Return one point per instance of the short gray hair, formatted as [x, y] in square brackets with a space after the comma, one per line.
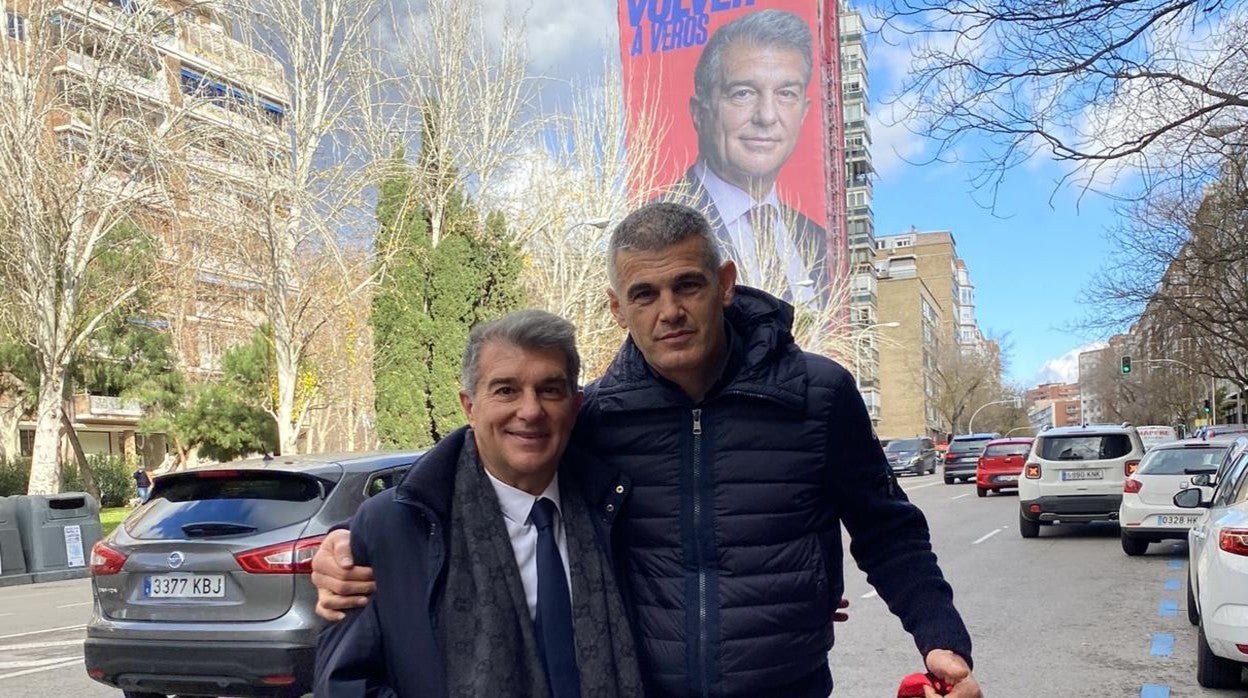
[527, 329]
[773, 28]
[658, 226]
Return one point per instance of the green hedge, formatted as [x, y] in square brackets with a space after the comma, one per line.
[112, 476]
[14, 476]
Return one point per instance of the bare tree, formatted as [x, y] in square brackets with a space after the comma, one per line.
[86, 183]
[302, 207]
[1178, 265]
[1098, 84]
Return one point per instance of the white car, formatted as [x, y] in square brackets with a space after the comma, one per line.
[1075, 475]
[1148, 513]
[1217, 586]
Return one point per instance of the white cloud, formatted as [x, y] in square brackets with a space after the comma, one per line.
[1065, 368]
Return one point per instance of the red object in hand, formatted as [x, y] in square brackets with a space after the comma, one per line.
[912, 686]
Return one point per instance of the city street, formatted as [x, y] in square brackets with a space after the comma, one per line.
[1067, 614]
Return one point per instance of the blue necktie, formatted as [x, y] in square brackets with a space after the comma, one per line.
[554, 607]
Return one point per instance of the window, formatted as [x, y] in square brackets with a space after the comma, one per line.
[903, 242]
[380, 482]
[15, 26]
[1095, 447]
[1182, 461]
[200, 504]
[1223, 495]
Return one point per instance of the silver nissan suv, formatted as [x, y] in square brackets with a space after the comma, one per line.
[204, 589]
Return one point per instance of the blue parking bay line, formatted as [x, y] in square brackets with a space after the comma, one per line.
[1176, 564]
[1163, 645]
[1152, 690]
[1173, 585]
[1168, 609]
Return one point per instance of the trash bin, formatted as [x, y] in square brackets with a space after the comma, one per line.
[12, 560]
[57, 534]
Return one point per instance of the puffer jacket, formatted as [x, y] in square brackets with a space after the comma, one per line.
[730, 543]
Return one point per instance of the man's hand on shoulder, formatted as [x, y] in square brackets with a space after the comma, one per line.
[341, 585]
[953, 670]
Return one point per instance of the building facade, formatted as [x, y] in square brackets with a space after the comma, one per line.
[926, 289]
[175, 68]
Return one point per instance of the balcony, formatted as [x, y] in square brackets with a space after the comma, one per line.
[231, 58]
[147, 85]
[106, 407]
[858, 212]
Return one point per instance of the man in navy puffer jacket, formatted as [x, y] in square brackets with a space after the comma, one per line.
[746, 455]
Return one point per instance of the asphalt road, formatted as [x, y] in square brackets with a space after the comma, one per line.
[1066, 615]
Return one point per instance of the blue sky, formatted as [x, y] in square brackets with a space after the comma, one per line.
[1030, 259]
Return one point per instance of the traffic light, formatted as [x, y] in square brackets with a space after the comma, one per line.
[1126, 365]
[1207, 408]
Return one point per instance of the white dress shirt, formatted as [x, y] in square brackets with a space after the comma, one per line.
[735, 208]
[516, 505]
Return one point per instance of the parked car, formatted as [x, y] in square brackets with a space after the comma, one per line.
[1148, 514]
[204, 589]
[1075, 475]
[1153, 434]
[963, 456]
[1212, 430]
[917, 455]
[1001, 464]
[1217, 585]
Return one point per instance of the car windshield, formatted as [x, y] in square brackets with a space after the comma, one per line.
[1084, 446]
[1182, 461]
[1007, 450]
[208, 503]
[968, 445]
[903, 445]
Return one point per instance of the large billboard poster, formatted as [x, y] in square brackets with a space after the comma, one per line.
[729, 95]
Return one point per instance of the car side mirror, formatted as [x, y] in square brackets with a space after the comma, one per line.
[1189, 498]
[1205, 480]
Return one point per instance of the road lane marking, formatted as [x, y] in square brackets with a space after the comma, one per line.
[1173, 585]
[41, 645]
[46, 630]
[1163, 645]
[870, 594]
[74, 605]
[1176, 564]
[1152, 690]
[14, 675]
[919, 487]
[1168, 609]
[32, 663]
[960, 496]
[986, 536]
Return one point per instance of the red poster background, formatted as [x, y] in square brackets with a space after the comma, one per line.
[663, 82]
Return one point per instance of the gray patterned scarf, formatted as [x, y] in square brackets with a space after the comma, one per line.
[489, 647]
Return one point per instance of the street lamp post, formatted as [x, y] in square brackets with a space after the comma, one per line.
[970, 426]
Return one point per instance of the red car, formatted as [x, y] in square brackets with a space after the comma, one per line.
[1000, 465]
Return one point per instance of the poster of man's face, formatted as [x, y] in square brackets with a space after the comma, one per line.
[741, 120]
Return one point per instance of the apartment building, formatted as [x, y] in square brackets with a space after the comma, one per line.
[859, 219]
[1050, 392]
[927, 289]
[174, 67]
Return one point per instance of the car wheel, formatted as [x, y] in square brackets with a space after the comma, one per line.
[983, 492]
[1028, 528]
[141, 694]
[1193, 613]
[1133, 546]
[1213, 671]
[948, 480]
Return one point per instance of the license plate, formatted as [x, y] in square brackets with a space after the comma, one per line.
[1176, 520]
[1083, 475]
[184, 586]
[1007, 478]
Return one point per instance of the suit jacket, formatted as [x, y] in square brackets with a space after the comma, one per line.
[803, 232]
